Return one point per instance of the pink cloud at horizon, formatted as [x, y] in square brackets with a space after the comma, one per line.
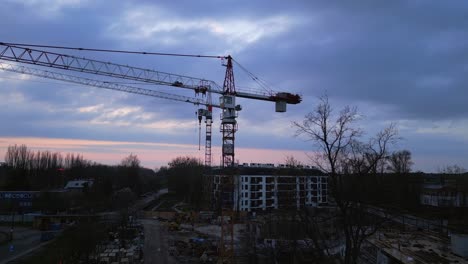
[151, 154]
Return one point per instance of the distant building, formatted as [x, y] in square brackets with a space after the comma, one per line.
[443, 191]
[17, 199]
[442, 196]
[78, 185]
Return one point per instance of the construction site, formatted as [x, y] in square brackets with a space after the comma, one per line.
[260, 224]
[236, 192]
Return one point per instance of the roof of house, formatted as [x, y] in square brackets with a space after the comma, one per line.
[78, 184]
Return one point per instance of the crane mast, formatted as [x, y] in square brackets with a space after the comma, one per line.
[228, 130]
[208, 114]
[228, 116]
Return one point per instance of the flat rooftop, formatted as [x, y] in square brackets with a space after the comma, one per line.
[415, 247]
[266, 171]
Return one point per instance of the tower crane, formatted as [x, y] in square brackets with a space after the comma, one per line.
[25, 54]
[21, 53]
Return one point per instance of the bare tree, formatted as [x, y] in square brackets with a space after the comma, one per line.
[331, 134]
[452, 169]
[400, 162]
[292, 162]
[18, 157]
[130, 168]
[40, 169]
[131, 161]
[347, 160]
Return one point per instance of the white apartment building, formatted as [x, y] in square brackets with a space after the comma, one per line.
[264, 192]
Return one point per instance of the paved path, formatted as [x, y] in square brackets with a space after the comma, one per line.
[142, 203]
[156, 247]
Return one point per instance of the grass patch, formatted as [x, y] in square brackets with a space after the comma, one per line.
[166, 202]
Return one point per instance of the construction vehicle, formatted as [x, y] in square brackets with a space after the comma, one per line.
[173, 226]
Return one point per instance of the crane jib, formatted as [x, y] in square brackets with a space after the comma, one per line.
[68, 62]
[283, 97]
[73, 63]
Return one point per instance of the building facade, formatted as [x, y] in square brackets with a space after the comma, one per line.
[266, 192]
[444, 190]
[443, 196]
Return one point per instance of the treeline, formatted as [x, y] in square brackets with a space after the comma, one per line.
[20, 157]
[30, 170]
[46, 171]
[185, 179]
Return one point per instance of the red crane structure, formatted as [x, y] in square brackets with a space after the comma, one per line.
[30, 54]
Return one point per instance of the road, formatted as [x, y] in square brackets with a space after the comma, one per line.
[156, 246]
[24, 240]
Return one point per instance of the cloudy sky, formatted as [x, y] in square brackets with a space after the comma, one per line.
[397, 61]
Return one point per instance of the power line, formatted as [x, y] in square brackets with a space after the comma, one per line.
[113, 51]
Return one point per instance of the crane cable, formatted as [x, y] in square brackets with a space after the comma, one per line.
[113, 51]
[262, 83]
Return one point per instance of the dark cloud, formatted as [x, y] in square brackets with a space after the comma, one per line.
[403, 54]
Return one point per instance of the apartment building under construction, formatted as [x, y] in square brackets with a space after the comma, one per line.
[266, 188]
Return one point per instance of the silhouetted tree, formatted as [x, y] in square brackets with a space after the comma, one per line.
[452, 169]
[123, 198]
[348, 162]
[400, 162]
[42, 169]
[292, 162]
[17, 159]
[185, 178]
[130, 167]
